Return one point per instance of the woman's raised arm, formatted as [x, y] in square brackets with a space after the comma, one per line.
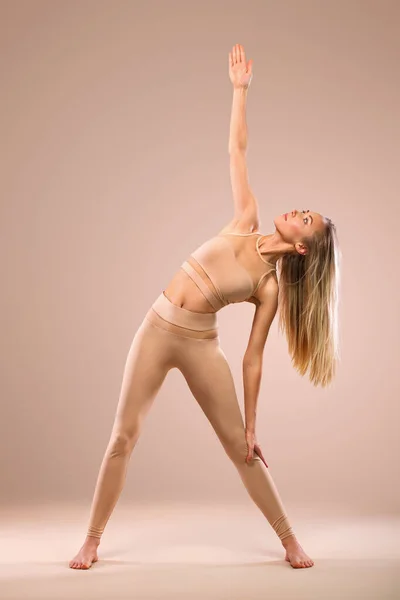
[240, 74]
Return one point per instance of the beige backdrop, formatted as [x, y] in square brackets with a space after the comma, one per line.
[114, 166]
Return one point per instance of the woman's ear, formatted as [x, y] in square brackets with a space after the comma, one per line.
[301, 248]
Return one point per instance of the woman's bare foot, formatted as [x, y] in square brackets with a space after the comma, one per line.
[86, 555]
[295, 553]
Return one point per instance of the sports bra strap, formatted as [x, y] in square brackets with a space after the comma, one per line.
[257, 243]
[235, 233]
[261, 279]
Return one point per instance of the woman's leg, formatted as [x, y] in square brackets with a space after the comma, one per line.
[145, 370]
[146, 367]
[210, 380]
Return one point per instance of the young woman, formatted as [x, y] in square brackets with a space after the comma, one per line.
[180, 330]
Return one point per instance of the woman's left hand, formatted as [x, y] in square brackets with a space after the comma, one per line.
[240, 71]
[253, 447]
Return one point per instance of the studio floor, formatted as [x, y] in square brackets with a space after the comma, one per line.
[197, 552]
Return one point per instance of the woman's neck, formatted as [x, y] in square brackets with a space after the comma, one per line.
[273, 247]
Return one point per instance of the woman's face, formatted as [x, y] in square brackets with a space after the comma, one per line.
[297, 224]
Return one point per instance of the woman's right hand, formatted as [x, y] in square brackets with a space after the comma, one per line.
[240, 72]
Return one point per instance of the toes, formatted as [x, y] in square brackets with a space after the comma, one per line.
[78, 564]
[301, 563]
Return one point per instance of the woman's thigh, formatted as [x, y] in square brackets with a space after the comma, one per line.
[210, 380]
[146, 367]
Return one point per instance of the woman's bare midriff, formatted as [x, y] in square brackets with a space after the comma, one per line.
[183, 292]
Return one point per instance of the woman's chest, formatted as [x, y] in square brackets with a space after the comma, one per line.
[232, 264]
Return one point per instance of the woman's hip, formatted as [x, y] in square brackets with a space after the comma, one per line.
[180, 321]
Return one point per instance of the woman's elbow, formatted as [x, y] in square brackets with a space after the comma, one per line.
[253, 359]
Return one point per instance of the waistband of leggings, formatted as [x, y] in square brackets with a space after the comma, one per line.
[155, 319]
[181, 317]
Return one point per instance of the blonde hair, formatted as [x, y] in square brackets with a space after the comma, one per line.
[308, 304]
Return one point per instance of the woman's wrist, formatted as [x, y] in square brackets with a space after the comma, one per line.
[240, 88]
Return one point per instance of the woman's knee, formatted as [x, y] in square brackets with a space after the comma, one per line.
[121, 444]
[236, 448]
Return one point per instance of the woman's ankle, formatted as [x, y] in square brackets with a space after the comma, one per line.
[91, 539]
[288, 540]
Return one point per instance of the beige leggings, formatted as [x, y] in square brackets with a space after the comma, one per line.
[170, 337]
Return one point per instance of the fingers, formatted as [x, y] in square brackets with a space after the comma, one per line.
[249, 453]
[259, 453]
[238, 54]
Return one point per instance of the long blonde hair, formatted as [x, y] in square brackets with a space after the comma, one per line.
[308, 305]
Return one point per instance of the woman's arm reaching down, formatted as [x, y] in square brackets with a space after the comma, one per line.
[266, 309]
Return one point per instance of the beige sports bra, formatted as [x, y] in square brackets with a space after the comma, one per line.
[232, 277]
